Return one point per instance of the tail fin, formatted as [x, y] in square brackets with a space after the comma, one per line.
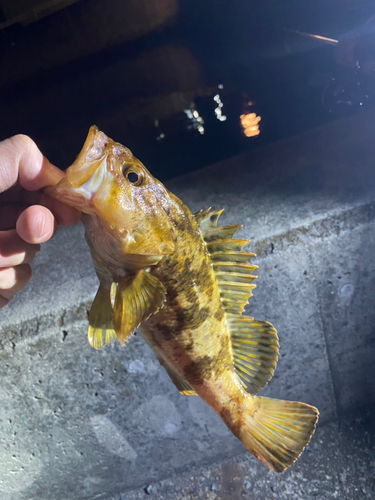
[275, 431]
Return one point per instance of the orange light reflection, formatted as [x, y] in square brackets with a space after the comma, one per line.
[250, 124]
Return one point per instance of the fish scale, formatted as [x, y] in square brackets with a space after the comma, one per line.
[183, 282]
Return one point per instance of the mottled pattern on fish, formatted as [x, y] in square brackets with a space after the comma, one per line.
[184, 283]
[190, 329]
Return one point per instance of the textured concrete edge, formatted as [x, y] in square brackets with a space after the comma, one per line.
[25, 330]
[321, 228]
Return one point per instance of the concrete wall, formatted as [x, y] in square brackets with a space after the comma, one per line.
[78, 423]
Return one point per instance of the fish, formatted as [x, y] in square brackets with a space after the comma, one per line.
[183, 283]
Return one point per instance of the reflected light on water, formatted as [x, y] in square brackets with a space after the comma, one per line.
[196, 122]
[218, 109]
[250, 124]
[161, 134]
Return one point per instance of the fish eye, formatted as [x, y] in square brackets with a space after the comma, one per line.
[133, 177]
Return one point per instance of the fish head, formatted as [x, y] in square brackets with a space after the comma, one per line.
[117, 192]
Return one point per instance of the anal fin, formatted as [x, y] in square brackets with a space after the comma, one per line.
[255, 350]
[181, 384]
[101, 330]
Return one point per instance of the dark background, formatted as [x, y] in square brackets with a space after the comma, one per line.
[136, 68]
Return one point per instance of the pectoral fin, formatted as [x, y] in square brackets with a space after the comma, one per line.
[101, 331]
[134, 301]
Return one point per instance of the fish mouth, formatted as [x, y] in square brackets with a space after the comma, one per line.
[84, 177]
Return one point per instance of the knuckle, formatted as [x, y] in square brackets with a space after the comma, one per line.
[22, 142]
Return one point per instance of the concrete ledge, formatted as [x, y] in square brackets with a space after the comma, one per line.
[82, 424]
[335, 465]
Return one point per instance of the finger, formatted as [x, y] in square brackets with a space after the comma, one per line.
[21, 160]
[9, 215]
[12, 279]
[36, 224]
[64, 214]
[3, 302]
[11, 195]
[14, 250]
[17, 194]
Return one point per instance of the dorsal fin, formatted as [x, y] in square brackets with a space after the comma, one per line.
[233, 274]
[255, 349]
[254, 343]
[206, 219]
[220, 233]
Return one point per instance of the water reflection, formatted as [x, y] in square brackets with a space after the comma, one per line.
[195, 121]
[218, 109]
[250, 124]
[184, 84]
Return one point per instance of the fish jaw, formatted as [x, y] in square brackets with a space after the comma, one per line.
[80, 197]
[85, 176]
[94, 150]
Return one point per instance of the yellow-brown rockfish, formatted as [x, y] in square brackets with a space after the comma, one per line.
[183, 283]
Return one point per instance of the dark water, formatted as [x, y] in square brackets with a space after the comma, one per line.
[175, 96]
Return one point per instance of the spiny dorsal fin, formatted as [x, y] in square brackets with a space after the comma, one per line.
[135, 300]
[227, 245]
[255, 348]
[206, 219]
[219, 233]
[235, 285]
[233, 274]
[207, 222]
[235, 257]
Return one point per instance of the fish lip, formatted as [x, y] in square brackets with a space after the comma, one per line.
[92, 184]
[80, 197]
[95, 149]
[85, 176]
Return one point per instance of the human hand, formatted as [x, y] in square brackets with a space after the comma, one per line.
[27, 216]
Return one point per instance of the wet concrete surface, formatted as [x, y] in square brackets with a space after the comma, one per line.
[338, 463]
